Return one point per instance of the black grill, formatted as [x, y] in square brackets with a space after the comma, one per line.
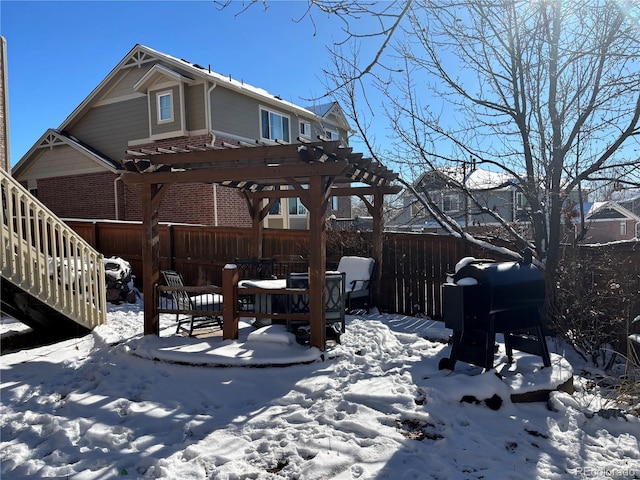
[487, 297]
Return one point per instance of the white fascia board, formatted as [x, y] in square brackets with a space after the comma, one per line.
[159, 71]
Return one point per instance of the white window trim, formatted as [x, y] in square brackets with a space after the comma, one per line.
[307, 129]
[160, 95]
[298, 203]
[333, 131]
[261, 109]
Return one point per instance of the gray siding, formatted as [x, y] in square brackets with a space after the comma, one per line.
[125, 82]
[60, 161]
[109, 127]
[235, 113]
[195, 107]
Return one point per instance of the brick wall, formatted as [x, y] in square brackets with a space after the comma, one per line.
[183, 203]
[232, 208]
[79, 196]
[609, 231]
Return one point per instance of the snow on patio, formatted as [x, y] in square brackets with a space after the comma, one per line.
[118, 404]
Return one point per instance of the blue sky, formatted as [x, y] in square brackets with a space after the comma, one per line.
[58, 52]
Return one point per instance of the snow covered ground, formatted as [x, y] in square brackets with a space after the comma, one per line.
[115, 404]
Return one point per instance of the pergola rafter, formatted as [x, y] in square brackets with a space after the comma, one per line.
[315, 170]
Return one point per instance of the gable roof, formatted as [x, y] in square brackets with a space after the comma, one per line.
[52, 138]
[141, 54]
[610, 210]
[326, 110]
[476, 179]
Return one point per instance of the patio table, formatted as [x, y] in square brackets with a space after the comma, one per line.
[266, 302]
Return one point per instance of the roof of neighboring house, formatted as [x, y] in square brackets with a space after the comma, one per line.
[323, 109]
[141, 53]
[53, 137]
[626, 195]
[610, 210]
[476, 179]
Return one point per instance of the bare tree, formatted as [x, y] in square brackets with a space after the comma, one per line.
[547, 92]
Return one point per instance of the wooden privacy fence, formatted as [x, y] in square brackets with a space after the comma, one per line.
[414, 264]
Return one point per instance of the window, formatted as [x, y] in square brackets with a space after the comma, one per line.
[623, 228]
[276, 207]
[334, 202]
[305, 129]
[331, 134]
[165, 107]
[274, 126]
[296, 207]
[521, 201]
[451, 203]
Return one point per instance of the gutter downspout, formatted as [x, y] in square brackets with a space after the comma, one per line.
[213, 139]
[115, 196]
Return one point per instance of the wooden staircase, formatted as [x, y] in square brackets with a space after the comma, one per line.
[51, 278]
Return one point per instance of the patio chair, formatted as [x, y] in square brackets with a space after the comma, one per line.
[334, 307]
[255, 268]
[195, 303]
[359, 273]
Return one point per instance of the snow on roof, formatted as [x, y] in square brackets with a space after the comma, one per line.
[480, 179]
[231, 82]
[477, 179]
[626, 195]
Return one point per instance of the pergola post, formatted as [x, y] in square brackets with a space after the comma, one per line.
[376, 212]
[317, 261]
[151, 197]
[230, 302]
[257, 229]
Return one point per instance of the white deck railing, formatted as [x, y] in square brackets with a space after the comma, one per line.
[47, 259]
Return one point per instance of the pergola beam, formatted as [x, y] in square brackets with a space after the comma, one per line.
[272, 174]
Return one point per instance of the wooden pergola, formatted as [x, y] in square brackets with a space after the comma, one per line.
[312, 172]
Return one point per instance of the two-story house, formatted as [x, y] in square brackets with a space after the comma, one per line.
[152, 100]
[492, 191]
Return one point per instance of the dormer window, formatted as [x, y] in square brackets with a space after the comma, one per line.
[331, 134]
[165, 107]
[274, 126]
[451, 203]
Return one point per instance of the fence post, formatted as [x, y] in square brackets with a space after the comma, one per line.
[230, 315]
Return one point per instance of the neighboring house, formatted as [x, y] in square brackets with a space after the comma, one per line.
[494, 191]
[609, 222]
[628, 198]
[152, 100]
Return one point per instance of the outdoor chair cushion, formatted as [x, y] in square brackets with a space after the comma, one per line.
[358, 271]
